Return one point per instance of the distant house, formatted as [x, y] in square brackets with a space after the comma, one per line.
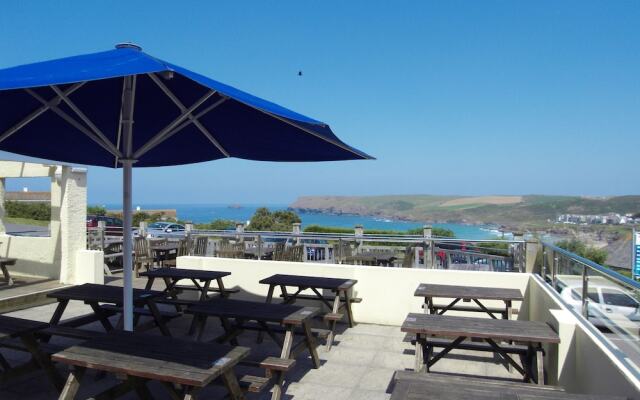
[28, 197]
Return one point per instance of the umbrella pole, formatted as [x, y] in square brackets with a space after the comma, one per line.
[128, 99]
[127, 245]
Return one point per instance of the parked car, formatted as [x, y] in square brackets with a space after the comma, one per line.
[165, 230]
[609, 306]
[113, 225]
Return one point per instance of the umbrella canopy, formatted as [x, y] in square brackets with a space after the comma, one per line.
[125, 108]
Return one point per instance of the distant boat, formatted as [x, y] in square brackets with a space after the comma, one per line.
[235, 206]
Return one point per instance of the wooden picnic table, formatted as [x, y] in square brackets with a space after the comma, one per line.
[141, 358]
[23, 331]
[379, 258]
[94, 294]
[446, 387]
[429, 328]
[163, 251]
[236, 317]
[466, 294]
[4, 261]
[266, 253]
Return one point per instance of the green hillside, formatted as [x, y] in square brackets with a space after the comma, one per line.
[521, 210]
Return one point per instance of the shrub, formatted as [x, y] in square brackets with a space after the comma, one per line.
[37, 211]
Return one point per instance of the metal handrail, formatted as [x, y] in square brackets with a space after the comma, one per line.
[597, 267]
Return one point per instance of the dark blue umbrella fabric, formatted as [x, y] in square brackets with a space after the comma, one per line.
[221, 121]
[124, 108]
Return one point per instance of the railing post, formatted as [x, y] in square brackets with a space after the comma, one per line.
[295, 230]
[554, 271]
[102, 226]
[428, 251]
[239, 231]
[585, 292]
[358, 232]
[339, 251]
[142, 228]
[544, 263]
[259, 247]
[518, 251]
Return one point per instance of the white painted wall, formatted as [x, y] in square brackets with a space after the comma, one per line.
[54, 256]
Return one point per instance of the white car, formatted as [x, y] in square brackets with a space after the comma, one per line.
[610, 306]
[165, 230]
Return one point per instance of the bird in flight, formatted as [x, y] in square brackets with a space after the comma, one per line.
[299, 73]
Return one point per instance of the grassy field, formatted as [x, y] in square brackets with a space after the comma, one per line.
[25, 221]
[531, 210]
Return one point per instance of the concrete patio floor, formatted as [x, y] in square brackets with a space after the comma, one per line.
[359, 366]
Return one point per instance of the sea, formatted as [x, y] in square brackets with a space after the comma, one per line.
[202, 213]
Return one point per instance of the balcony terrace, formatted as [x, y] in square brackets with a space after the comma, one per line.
[363, 360]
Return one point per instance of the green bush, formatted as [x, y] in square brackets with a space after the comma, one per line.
[279, 221]
[96, 210]
[217, 225]
[598, 256]
[436, 232]
[37, 211]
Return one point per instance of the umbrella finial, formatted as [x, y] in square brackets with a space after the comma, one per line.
[128, 45]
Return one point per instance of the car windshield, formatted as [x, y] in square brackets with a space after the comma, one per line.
[158, 225]
[615, 297]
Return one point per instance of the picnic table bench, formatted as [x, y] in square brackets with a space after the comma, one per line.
[340, 300]
[95, 296]
[19, 334]
[163, 251]
[410, 385]
[4, 262]
[274, 319]
[491, 331]
[137, 358]
[468, 294]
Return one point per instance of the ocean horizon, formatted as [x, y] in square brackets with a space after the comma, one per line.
[203, 213]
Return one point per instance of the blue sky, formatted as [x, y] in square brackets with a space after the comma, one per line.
[455, 97]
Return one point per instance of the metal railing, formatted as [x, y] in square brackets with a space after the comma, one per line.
[606, 299]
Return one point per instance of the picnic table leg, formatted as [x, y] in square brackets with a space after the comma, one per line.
[149, 284]
[286, 353]
[57, 314]
[540, 363]
[231, 383]
[202, 322]
[347, 299]
[332, 323]
[73, 384]
[311, 344]
[221, 288]
[43, 360]
[419, 363]
[140, 387]
[153, 307]
[7, 277]
[102, 317]
[269, 300]
[204, 291]
[509, 309]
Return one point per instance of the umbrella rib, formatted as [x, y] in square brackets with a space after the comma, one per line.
[54, 101]
[197, 116]
[84, 118]
[193, 120]
[72, 122]
[166, 132]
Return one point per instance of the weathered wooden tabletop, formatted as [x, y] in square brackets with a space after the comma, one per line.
[154, 357]
[467, 292]
[91, 292]
[183, 273]
[257, 311]
[445, 389]
[14, 327]
[164, 246]
[310, 282]
[482, 328]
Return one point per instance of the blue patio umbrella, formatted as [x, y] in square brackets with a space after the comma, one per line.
[124, 108]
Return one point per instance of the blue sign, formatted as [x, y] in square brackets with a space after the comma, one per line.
[636, 254]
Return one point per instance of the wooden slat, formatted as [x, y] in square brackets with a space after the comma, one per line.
[497, 329]
[184, 273]
[254, 384]
[14, 327]
[333, 316]
[66, 331]
[468, 292]
[462, 380]
[250, 310]
[310, 281]
[154, 357]
[454, 389]
[277, 364]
